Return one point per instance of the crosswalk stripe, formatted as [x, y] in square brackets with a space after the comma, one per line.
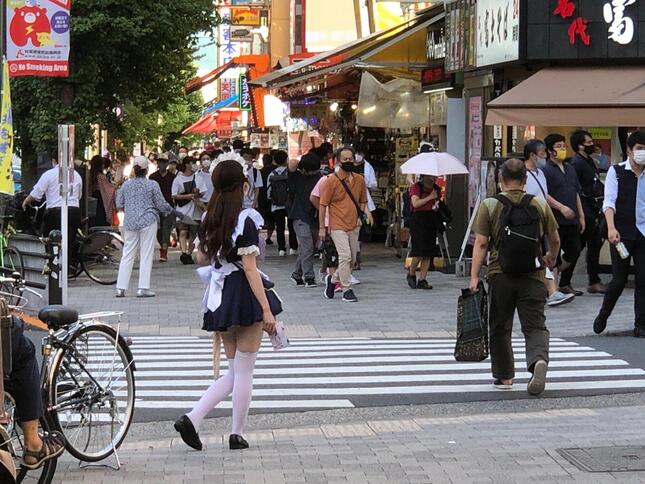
[198, 355]
[312, 373]
[346, 380]
[363, 359]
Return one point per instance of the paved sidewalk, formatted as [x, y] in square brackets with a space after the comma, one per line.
[387, 307]
[505, 447]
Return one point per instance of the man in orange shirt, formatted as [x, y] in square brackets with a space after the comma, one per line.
[344, 198]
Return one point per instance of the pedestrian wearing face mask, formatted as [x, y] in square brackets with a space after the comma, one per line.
[564, 190]
[365, 168]
[536, 185]
[591, 196]
[253, 175]
[344, 198]
[424, 197]
[204, 179]
[624, 209]
[183, 153]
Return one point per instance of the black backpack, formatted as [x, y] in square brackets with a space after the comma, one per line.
[280, 188]
[519, 241]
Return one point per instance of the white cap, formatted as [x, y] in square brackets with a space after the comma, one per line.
[141, 162]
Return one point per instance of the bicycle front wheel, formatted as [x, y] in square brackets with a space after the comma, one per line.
[91, 391]
[100, 255]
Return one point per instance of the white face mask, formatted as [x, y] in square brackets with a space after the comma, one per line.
[359, 158]
[639, 157]
[181, 156]
[206, 164]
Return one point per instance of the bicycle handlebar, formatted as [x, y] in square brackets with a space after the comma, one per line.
[21, 282]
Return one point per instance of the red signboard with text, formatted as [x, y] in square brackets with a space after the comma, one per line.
[38, 37]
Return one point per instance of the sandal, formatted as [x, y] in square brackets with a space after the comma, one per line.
[53, 446]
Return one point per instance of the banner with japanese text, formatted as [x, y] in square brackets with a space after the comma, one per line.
[6, 135]
[38, 37]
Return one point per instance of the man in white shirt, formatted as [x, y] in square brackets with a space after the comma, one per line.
[204, 177]
[254, 177]
[187, 191]
[49, 186]
[364, 168]
[534, 156]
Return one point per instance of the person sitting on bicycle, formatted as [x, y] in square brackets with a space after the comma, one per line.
[24, 385]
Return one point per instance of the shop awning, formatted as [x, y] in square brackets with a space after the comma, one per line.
[221, 104]
[199, 82]
[396, 51]
[574, 96]
[205, 125]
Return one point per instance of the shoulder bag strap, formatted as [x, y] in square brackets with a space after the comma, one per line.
[538, 182]
[361, 214]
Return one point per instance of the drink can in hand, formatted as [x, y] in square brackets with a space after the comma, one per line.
[622, 250]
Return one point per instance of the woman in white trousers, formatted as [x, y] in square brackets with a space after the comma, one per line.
[142, 201]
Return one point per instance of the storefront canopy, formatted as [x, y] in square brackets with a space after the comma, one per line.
[221, 104]
[199, 82]
[574, 96]
[393, 51]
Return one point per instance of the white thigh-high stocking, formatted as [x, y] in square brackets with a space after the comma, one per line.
[242, 389]
[218, 391]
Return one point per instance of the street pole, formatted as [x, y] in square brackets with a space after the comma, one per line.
[66, 178]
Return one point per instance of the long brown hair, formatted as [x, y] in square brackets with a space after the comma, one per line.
[223, 209]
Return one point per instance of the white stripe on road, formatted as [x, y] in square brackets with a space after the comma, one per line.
[174, 404]
[366, 359]
[410, 390]
[350, 380]
[329, 370]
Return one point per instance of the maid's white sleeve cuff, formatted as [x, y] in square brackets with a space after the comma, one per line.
[251, 250]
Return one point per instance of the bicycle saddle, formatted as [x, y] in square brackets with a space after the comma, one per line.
[57, 317]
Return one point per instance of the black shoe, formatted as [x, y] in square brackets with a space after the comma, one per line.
[502, 386]
[269, 242]
[639, 333]
[423, 284]
[189, 435]
[599, 324]
[310, 283]
[538, 380]
[412, 281]
[349, 296]
[236, 442]
[186, 259]
[329, 287]
[297, 281]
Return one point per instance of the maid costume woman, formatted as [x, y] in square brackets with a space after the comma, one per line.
[229, 300]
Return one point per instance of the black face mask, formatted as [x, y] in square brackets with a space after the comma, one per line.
[348, 166]
[590, 149]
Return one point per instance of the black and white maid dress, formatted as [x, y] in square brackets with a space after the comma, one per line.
[229, 300]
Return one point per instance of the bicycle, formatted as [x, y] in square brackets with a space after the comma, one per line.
[99, 255]
[87, 377]
[10, 257]
[11, 437]
[98, 252]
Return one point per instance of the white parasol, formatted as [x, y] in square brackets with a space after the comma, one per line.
[434, 164]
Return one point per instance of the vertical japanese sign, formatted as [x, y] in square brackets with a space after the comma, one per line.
[6, 135]
[38, 37]
[475, 132]
[244, 91]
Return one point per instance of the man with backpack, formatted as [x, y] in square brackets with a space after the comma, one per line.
[512, 225]
[278, 195]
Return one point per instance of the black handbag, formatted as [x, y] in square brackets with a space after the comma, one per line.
[188, 188]
[472, 326]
